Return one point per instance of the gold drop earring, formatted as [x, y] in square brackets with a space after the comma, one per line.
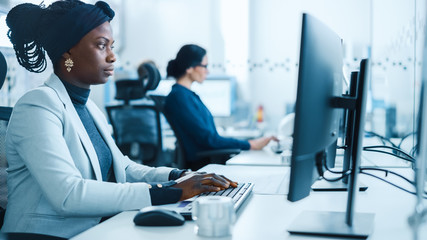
[69, 64]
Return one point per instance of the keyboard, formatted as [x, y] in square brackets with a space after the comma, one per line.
[238, 196]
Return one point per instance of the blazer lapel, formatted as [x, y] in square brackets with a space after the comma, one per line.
[55, 83]
[101, 124]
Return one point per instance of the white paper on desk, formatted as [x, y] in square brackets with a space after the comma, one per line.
[266, 179]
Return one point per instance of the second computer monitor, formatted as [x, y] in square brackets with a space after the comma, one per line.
[218, 93]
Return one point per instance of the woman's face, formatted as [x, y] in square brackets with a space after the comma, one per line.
[200, 71]
[93, 58]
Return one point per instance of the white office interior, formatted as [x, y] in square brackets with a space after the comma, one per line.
[255, 44]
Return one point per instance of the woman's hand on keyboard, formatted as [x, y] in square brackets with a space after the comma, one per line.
[196, 183]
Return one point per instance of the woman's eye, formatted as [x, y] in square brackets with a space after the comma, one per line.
[101, 46]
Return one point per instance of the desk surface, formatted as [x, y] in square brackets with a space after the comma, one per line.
[268, 216]
[267, 157]
[264, 157]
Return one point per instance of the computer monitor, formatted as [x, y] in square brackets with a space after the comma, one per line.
[317, 114]
[346, 132]
[420, 211]
[218, 93]
[316, 121]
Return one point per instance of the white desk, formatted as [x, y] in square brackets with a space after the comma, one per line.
[267, 157]
[264, 157]
[268, 216]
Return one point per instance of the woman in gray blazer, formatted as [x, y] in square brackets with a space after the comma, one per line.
[65, 171]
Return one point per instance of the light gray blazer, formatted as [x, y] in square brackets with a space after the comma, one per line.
[54, 179]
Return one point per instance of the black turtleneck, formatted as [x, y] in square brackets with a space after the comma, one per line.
[79, 97]
[161, 193]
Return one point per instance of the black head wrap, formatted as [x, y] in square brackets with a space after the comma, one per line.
[55, 35]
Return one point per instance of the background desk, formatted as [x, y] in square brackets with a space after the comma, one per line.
[266, 157]
[268, 216]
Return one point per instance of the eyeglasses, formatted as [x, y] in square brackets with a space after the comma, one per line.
[202, 65]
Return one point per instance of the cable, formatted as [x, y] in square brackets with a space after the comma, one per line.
[346, 173]
[397, 186]
[392, 148]
[343, 173]
[392, 154]
[404, 137]
[413, 150]
[387, 172]
[334, 179]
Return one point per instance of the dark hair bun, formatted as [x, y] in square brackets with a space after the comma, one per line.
[23, 28]
[171, 68]
[24, 36]
[188, 56]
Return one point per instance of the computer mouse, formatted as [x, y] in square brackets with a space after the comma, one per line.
[277, 148]
[157, 216]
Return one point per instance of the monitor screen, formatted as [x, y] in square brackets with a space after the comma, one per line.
[317, 123]
[217, 93]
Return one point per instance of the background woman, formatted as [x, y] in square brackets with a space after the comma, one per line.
[190, 116]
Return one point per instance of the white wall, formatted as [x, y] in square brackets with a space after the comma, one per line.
[255, 40]
[265, 63]
[275, 27]
[157, 29]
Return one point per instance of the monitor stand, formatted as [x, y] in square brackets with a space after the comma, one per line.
[338, 186]
[332, 224]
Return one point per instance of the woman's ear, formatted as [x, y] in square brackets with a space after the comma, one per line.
[66, 55]
[189, 70]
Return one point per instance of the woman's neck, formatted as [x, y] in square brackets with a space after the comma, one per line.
[185, 81]
[78, 95]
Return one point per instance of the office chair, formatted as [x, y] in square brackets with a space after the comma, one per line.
[5, 113]
[218, 156]
[137, 127]
[4, 118]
